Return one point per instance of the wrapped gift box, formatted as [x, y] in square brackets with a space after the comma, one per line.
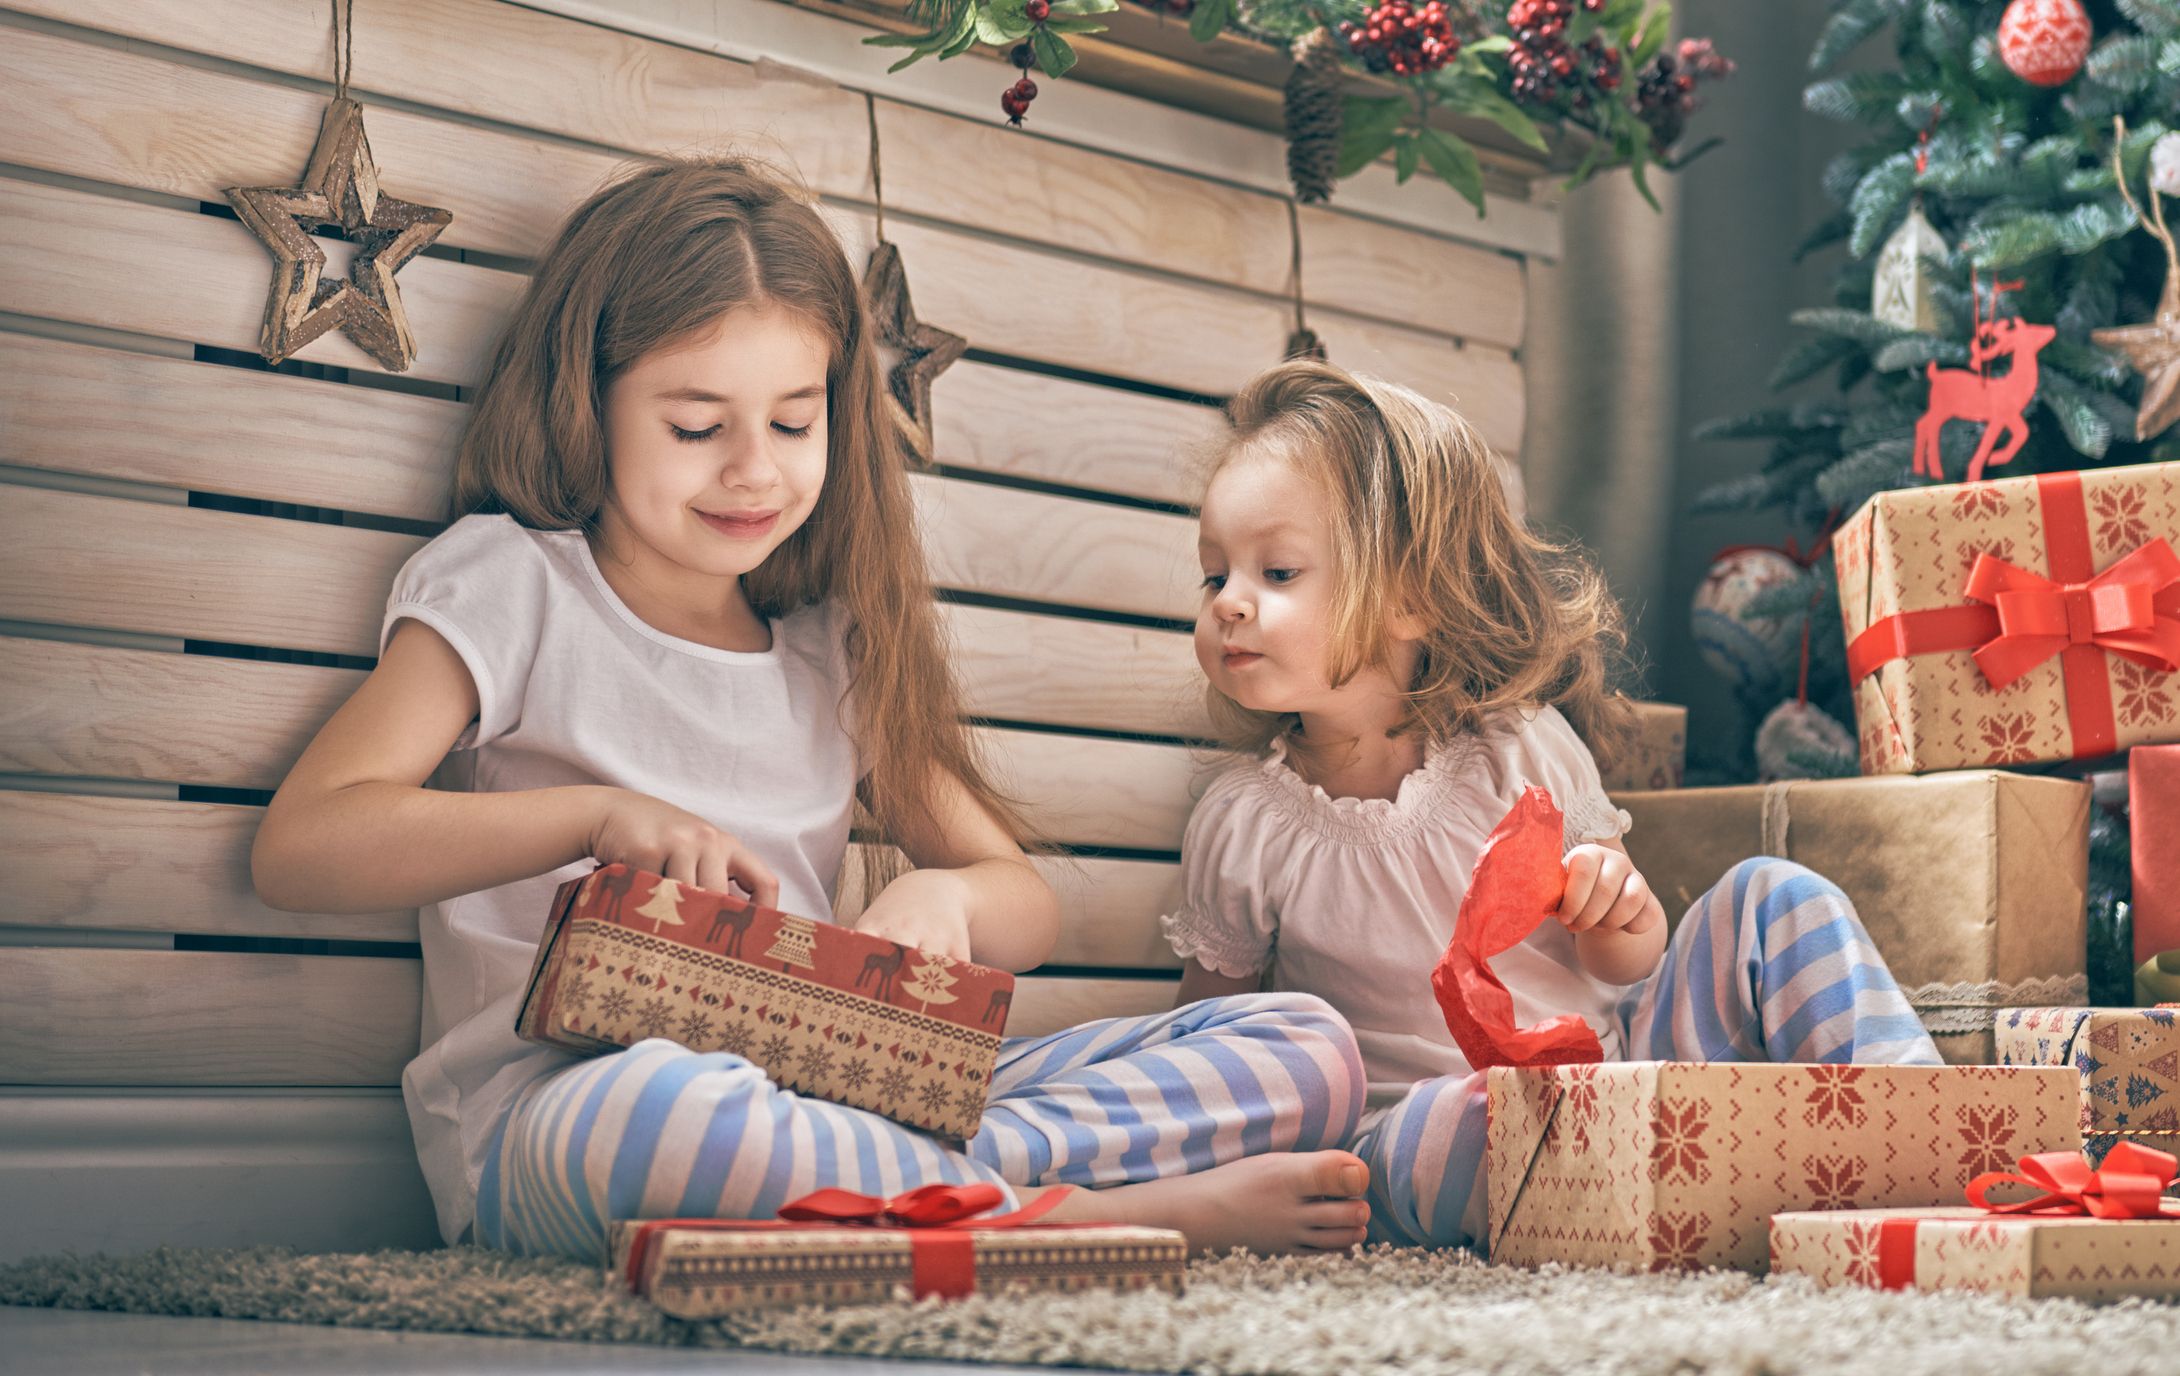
[702, 1269]
[2153, 820]
[821, 1009]
[2129, 1062]
[2007, 926]
[2032, 618]
[1665, 1165]
[1656, 756]
[1968, 1249]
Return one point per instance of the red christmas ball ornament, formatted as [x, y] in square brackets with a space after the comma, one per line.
[2044, 41]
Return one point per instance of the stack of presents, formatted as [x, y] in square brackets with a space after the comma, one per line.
[2005, 637]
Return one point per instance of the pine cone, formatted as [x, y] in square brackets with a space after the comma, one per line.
[1313, 115]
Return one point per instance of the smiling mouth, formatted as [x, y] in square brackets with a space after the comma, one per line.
[740, 527]
[1236, 658]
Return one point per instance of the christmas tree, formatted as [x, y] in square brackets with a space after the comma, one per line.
[794, 944]
[932, 982]
[664, 905]
[1981, 211]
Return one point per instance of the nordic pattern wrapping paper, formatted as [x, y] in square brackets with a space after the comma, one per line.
[1973, 884]
[821, 1009]
[1657, 755]
[2153, 820]
[1913, 551]
[692, 1273]
[2026, 1255]
[2128, 1060]
[1666, 1165]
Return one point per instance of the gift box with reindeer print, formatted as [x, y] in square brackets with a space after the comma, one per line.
[821, 1009]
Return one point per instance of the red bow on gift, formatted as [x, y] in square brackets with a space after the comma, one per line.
[2130, 1184]
[2131, 609]
[940, 1219]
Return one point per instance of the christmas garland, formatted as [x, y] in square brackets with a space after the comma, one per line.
[1599, 66]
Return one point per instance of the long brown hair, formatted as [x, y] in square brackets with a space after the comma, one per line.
[658, 256]
[1420, 521]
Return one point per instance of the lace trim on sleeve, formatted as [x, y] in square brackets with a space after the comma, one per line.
[1195, 937]
[1592, 817]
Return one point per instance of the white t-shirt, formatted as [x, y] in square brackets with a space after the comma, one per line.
[574, 688]
[1354, 899]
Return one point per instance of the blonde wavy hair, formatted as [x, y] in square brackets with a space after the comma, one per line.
[660, 255]
[1420, 521]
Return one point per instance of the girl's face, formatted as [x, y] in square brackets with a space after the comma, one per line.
[1263, 631]
[715, 445]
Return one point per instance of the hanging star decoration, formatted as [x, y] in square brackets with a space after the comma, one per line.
[924, 351]
[340, 190]
[2152, 348]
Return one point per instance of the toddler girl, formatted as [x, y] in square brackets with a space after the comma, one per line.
[1397, 657]
[682, 622]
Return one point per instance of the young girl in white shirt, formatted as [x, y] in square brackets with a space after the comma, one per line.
[683, 622]
[1395, 657]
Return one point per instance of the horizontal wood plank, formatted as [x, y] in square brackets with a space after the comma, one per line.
[79, 108]
[85, 1016]
[91, 710]
[145, 865]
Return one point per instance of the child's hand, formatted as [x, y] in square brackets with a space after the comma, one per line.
[1606, 893]
[923, 908]
[652, 834]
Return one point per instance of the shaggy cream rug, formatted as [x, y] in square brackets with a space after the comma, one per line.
[1381, 1310]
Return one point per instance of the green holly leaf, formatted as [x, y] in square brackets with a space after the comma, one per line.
[1366, 130]
[1404, 157]
[1651, 37]
[1002, 22]
[1496, 43]
[1084, 6]
[1455, 161]
[1479, 96]
[1209, 18]
[1053, 54]
[1070, 24]
[896, 40]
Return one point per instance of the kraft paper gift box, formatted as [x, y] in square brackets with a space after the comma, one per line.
[2128, 1060]
[2153, 821]
[1968, 1249]
[821, 1009]
[1657, 755]
[2023, 619]
[1664, 1165]
[863, 1250]
[1972, 884]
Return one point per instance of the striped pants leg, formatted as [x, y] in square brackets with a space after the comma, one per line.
[659, 1131]
[1770, 964]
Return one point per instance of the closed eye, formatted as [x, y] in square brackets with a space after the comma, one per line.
[699, 436]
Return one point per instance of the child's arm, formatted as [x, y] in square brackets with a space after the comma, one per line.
[1618, 923]
[352, 829]
[973, 896]
[1201, 982]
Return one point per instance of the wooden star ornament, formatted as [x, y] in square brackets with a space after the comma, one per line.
[924, 351]
[2154, 351]
[340, 190]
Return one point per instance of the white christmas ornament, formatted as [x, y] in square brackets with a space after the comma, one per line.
[1900, 294]
[1797, 739]
[1747, 651]
[2165, 164]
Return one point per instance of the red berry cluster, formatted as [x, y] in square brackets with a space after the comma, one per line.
[1545, 69]
[1016, 98]
[1665, 92]
[1403, 39]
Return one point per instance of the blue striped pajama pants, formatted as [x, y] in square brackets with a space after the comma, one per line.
[1770, 964]
[659, 1131]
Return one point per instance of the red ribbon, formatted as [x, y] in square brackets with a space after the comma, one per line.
[939, 1220]
[2017, 619]
[2130, 1185]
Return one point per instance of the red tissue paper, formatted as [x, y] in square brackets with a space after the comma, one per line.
[1518, 884]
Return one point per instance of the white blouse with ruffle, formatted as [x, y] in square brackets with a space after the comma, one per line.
[1354, 899]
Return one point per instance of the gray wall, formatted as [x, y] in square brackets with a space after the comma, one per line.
[1652, 323]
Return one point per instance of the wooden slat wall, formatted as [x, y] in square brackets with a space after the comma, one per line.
[137, 114]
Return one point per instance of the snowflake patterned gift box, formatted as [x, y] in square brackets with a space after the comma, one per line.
[1657, 755]
[837, 1247]
[1667, 1165]
[2027, 619]
[2128, 1060]
[819, 1008]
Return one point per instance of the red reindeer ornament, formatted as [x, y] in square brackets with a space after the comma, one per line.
[1972, 394]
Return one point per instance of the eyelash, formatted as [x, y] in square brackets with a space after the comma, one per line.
[1214, 581]
[699, 436]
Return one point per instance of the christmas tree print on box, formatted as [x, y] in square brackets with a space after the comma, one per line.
[2129, 1061]
[821, 1009]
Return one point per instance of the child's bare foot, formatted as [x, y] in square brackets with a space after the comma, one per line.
[1278, 1202]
